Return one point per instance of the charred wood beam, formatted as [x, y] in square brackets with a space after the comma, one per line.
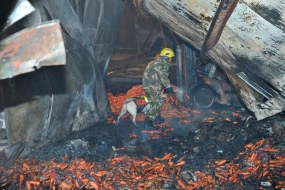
[139, 4]
[224, 11]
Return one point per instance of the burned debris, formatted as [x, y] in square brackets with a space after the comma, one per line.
[194, 149]
[223, 128]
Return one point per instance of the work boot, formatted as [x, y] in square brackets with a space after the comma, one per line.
[148, 125]
[159, 119]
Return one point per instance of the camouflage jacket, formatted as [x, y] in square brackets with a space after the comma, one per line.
[156, 74]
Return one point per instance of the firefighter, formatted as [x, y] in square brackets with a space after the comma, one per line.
[155, 78]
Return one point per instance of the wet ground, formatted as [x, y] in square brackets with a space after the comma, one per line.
[202, 137]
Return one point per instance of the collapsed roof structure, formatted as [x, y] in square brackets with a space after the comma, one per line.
[245, 38]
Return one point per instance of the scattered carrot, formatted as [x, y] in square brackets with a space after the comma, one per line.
[26, 166]
[181, 184]
[21, 180]
[270, 150]
[180, 163]
[37, 183]
[167, 157]
[249, 145]
[147, 173]
[28, 185]
[94, 185]
[220, 162]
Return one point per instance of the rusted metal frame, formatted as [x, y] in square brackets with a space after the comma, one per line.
[224, 11]
[146, 38]
[175, 39]
[153, 41]
[148, 34]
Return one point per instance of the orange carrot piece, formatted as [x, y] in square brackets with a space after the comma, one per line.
[94, 185]
[220, 162]
[28, 185]
[21, 180]
[167, 156]
[26, 166]
[180, 163]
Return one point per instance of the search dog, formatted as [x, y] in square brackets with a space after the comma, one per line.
[131, 107]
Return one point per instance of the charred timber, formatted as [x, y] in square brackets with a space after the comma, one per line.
[219, 21]
[250, 41]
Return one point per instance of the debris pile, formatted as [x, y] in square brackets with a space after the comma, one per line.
[260, 162]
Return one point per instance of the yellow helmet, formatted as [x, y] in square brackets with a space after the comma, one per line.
[167, 52]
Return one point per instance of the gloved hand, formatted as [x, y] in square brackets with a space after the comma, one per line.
[168, 90]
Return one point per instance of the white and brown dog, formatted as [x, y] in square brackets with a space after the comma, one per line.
[131, 107]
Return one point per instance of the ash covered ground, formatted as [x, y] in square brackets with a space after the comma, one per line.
[220, 133]
[215, 134]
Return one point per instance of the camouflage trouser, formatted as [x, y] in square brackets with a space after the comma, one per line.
[155, 101]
